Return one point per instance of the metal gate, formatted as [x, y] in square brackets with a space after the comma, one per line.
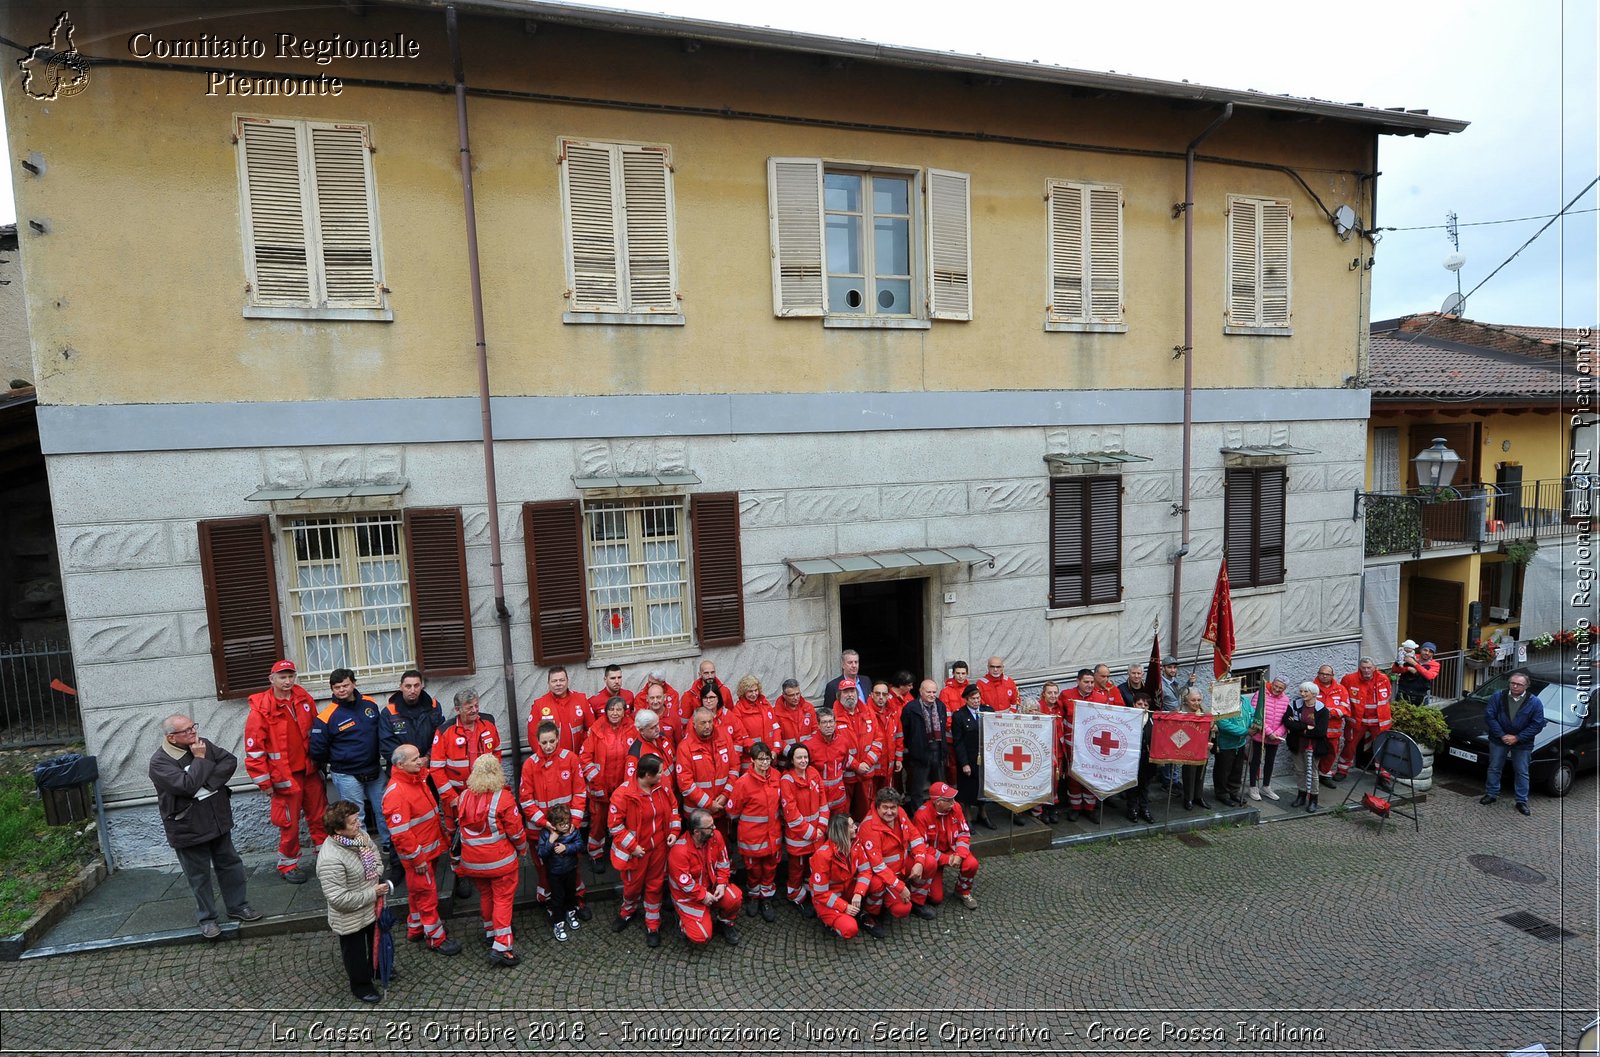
[38, 705]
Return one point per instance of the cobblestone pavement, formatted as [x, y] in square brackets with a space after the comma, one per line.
[1314, 937]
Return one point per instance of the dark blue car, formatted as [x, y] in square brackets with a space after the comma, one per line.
[1569, 744]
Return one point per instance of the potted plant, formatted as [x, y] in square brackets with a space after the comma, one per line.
[1520, 552]
[1480, 654]
[1438, 493]
[1425, 726]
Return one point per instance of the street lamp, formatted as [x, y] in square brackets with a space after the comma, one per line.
[1436, 465]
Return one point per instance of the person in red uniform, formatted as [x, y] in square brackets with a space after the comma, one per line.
[860, 778]
[605, 766]
[613, 688]
[1340, 726]
[889, 833]
[1079, 799]
[833, 751]
[902, 688]
[999, 691]
[277, 736]
[805, 821]
[949, 839]
[1050, 704]
[706, 767]
[886, 890]
[644, 823]
[953, 694]
[492, 844]
[553, 775]
[839, 880]
[753, 721]
[887, 712]
[795, 716]
[697, 873]
[758, 829]
[695, 696]
[457, 747]
[567, 710]
[415, 828]
[1108, 691]
[651, 740]
[1370, 694]
[659, 697]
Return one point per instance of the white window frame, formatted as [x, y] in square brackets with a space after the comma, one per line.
[317, 304]
[630, 229]
[1074, 201]
[355, 614]
[600, 590]
[1249, 300]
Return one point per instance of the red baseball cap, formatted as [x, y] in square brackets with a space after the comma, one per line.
[283, 666]
[942, 791]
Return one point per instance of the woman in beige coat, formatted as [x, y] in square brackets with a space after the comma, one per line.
[350, 870]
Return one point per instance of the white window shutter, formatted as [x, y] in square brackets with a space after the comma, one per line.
[1105, 254]
[1066, 253]
[1275, 219]
[794, 202]
[347, 230]
[276, 240]
[1244, 280]
[647, 218]
[949, 245]
[589, 203]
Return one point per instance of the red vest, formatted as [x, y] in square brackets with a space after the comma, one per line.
[836, 879]
[276, 736]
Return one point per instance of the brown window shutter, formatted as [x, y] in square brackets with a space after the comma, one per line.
[718, 570]
[1085, 540]
[1103, 539]
[441, 608]
[1067, 516]
[552, 534]
[1272, 490]
[241, 603]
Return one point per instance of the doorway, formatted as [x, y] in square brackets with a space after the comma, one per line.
[1434, 613]
[884, 621]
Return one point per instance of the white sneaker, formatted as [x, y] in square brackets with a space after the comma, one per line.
[1255, 793]
[560, 929]
[573, 924]
[1267, 792]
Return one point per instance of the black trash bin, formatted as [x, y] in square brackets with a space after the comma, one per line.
[66, 786]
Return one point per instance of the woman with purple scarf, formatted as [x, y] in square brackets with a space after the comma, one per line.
[350, 869]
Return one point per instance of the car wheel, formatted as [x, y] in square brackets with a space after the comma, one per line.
[1559, 781]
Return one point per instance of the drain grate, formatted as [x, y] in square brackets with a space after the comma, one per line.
[1536, 926]
[1507, 870]
[1192, 840]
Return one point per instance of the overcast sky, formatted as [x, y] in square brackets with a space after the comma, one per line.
[1524, 74]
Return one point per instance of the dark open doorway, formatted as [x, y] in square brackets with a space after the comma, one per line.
[883, 621]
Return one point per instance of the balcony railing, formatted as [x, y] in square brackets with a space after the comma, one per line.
[1416, 522]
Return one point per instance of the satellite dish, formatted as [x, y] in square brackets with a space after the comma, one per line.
[1344, 221]
[1452, 304]
[1455, 262]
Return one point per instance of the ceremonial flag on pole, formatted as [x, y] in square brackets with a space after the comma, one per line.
[1219, 625]
[1105, 746]
[1018, 759]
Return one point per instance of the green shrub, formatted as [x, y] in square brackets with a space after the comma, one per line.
[1423, 724]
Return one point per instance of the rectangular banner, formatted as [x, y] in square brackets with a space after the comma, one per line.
[1225, 697]
[1105, 746]
[1018, 759]
[1179, 737]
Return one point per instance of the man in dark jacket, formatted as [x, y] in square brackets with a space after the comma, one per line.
[344, 739]
[966, 737]
[191, 779]
[1513, 716]
[411, 717]
[922, 722]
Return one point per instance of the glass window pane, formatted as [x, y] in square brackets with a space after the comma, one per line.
[386, 648]
[841, 192]
[846, 295]
[381, 587]
[892, 246]
[891, 195]
[844, 245]
[893, 297]
[666, 620]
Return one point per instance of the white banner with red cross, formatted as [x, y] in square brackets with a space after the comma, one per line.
[1018, 759]
[1105, 746]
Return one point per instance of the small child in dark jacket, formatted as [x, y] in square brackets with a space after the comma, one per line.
[559, 851]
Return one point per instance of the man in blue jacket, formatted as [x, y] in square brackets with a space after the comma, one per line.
[344, 739]
[1513, 716]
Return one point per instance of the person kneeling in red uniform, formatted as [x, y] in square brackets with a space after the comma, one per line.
[888, 835]
[839, 879]
[697, 871]
[944, 827]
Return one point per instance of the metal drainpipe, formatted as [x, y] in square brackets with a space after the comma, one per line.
[1188, 366]
[501, 612]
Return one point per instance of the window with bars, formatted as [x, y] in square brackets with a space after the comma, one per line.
[1258, 264]
[617, 204]
[1253, 525]
[636, 557]
[1085, 540]
[349, 603]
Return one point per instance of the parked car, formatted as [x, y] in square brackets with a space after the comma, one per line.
[1569, 744]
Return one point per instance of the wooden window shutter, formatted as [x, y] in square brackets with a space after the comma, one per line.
[346, 229]
[1085, 540]
[1275, 217]
[1244, 280]
[949, 245]
[241, 603]
[441, 607]
[794, 203]
[589, 204]
[1105, 254]
[1239, 526]
[718, 569]
[647, 217]
[552, 533]
[1067, 516]
[1066, 253]
[276, 241]
[1272, 490]
[1103, 538]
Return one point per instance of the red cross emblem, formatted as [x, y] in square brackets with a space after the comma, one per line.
[1105, 742]
[1017, 758]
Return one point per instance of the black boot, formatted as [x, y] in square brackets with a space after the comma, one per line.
[1299, 799]
[1144, 813]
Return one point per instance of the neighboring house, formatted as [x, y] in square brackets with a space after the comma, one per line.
[1518, 405]
[795, 344]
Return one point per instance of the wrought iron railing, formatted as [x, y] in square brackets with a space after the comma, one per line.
[36, 707]
[1475, 515]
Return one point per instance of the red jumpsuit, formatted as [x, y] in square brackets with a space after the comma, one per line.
[597, 703]
[1369, 714]
[546, 782]
[456, 749]
[414, 827]
[805, 824]
[794, 724]
[894, 741]
[831, 758]
[605, 762]
[899, 844]
[1340, 728]
[641, 825]
[948, 838]
[705, 771]
[999, 694]
[492, 840]
[570, 714]
[837, 878]
[862, 723]
[884, 886]
[693, 874]
[753, 722]
[754, 810]
[277, 734]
